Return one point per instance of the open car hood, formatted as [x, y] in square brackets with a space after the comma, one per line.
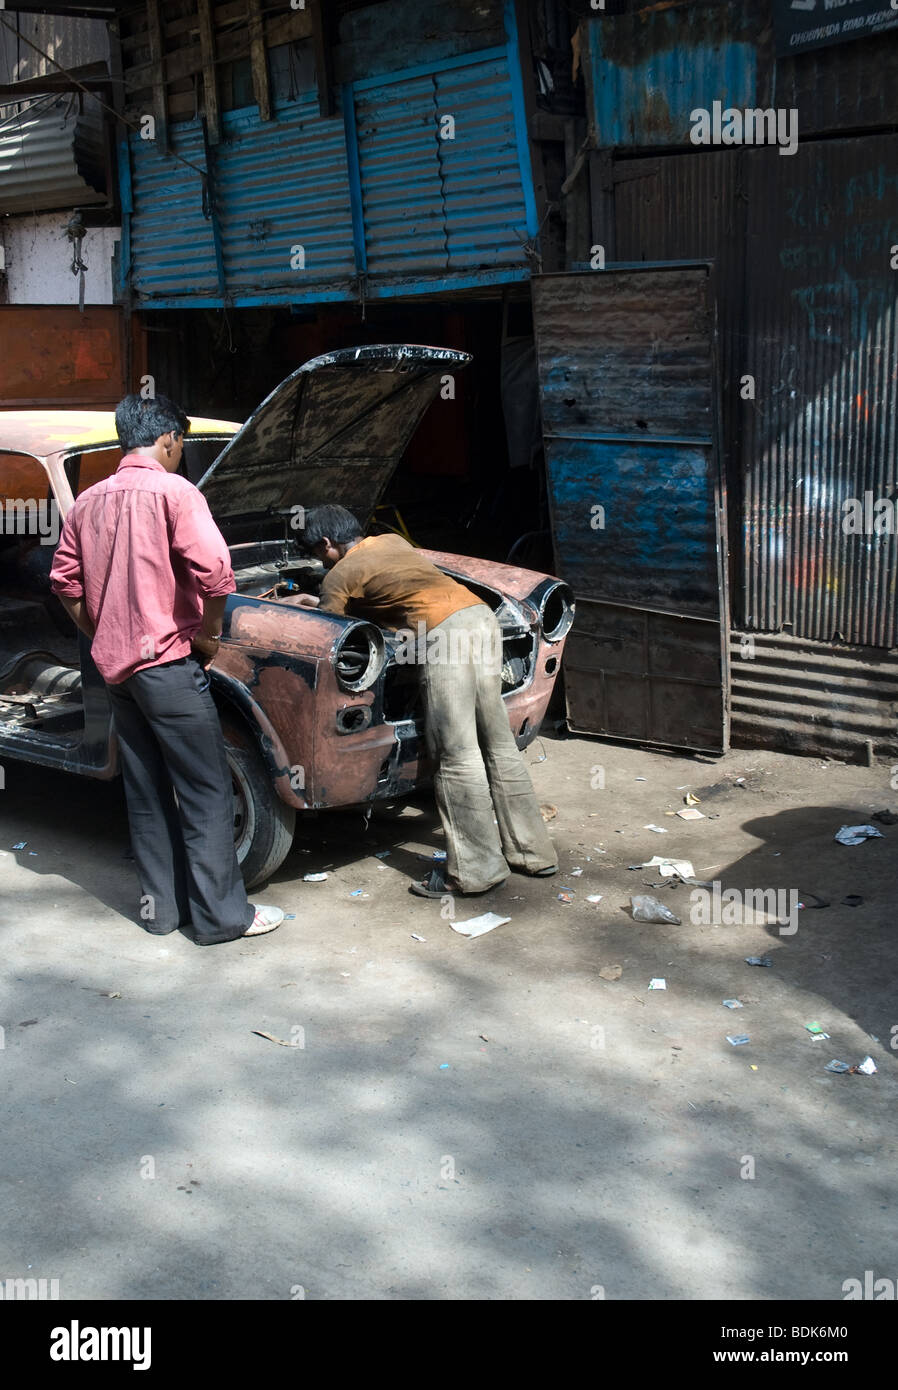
[334, 431]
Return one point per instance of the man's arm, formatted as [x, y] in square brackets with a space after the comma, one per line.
[206, 641]
[77, 611]
[337, 590]
[200, 545]
[67, 577]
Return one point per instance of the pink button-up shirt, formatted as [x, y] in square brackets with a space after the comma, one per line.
[143, 552]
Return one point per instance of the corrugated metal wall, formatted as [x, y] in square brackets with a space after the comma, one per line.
[806, 299]
[693, 206]
[279, 184]
[388, 199]
[276, 185]
[172, 249]
[649, 69]
[433, 204]
[807, 308]
[821, 343]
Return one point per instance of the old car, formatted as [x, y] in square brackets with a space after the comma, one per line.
[317, 710]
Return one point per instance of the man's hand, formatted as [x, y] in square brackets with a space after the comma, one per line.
[206, 639]
[308, 601]
[206, 648]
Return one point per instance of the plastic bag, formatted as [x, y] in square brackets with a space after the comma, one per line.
[646, 909]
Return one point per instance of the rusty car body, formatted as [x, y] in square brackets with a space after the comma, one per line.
[317, 710]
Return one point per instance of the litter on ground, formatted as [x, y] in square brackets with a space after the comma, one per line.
[647, 909]
[670, 868]
[476, 926]
[867, 1067]
[856, 834]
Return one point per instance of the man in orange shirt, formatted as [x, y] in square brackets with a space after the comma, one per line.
[483, 790]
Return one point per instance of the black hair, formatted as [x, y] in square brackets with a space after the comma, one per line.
[339, 525]
[140, 421]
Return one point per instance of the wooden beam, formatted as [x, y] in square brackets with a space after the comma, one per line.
[53, 82]
[154, 34]
[258, 60]
[69, 11]
[210, 84]
[184, 62]
[324, 67]
[531, 110]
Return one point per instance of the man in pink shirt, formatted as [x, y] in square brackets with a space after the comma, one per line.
[144, 572]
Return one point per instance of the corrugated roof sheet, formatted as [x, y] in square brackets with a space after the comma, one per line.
[50, 160]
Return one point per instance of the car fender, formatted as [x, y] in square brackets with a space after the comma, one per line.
[230, 693]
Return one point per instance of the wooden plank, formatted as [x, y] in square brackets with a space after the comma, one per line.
[210, 82]
[258, 60]
[323, 50]
[154, 33]
[184, 62]
[54, 82]
[222, 14]
[528, 83]
[601, 201]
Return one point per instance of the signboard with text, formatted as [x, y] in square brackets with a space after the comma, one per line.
[804, 24]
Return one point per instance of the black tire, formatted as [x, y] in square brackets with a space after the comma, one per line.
[263, 824]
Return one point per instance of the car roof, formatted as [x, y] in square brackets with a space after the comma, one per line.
[44, 432]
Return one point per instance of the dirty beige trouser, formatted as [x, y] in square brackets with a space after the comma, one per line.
[480, 771]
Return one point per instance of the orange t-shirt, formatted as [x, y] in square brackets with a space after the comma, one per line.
[389, 582]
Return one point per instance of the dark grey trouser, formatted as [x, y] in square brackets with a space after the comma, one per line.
[480, 771]
[170, 742]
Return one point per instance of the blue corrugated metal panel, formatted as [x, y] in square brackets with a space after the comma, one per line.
[434, 204]
[398, 144]
[483, 193]
[172, 246]
[658, 553]
[430, 213]
[389, 289]
[280, 184]
[649, 70]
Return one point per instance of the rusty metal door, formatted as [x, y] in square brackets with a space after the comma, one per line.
[628, 388]
[53, 356]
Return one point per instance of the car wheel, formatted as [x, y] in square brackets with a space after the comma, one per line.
[263, 825]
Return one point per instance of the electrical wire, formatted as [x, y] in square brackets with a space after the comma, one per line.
[105, 105]
[16, 116]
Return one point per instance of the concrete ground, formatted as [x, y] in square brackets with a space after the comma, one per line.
[458, 1119]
